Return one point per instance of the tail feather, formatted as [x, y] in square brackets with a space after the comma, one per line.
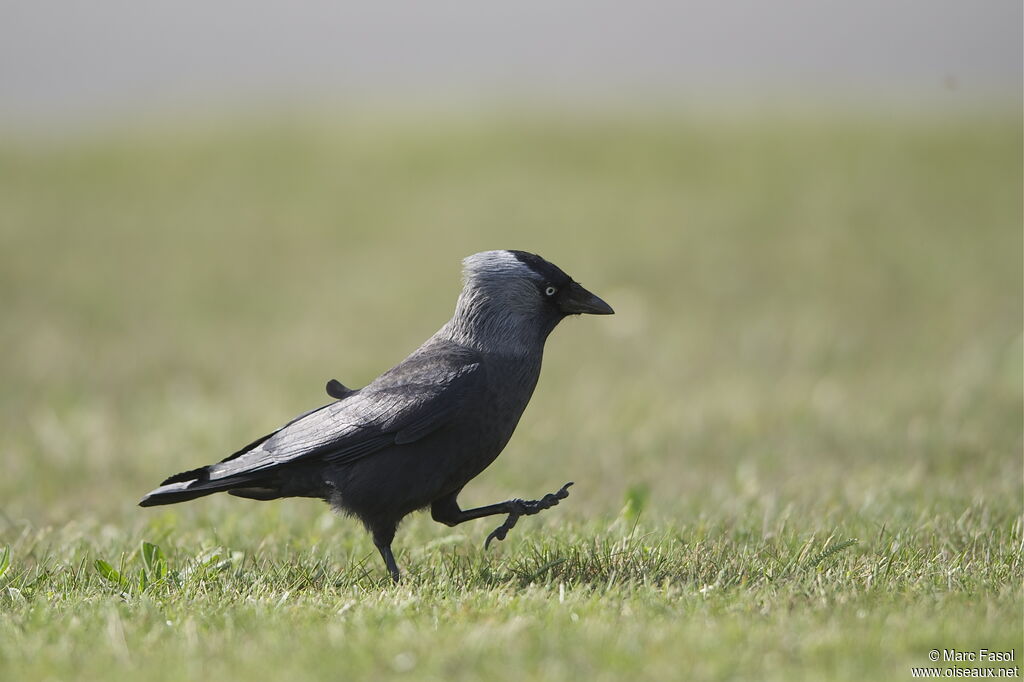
[170, 493]
[188, 485]
[202, 473]
[176, 490]
[254, 493]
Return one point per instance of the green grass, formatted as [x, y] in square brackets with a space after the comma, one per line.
[818, 339]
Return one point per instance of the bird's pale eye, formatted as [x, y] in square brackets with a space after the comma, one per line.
[550, 291]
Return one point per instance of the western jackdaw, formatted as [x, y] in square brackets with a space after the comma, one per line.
[418, 433]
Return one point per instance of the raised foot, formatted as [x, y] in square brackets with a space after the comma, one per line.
[527, 508]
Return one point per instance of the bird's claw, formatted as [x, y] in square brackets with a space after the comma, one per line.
[526, 508]
[501, 531]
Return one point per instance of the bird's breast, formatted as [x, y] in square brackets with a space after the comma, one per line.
[489, 421]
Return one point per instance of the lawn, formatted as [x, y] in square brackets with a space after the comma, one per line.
[797, 446]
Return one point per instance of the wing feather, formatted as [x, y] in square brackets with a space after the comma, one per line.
[411, 401]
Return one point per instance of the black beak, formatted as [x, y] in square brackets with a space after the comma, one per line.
[575, 300]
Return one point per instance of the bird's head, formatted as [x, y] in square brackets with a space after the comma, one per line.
[518, 295]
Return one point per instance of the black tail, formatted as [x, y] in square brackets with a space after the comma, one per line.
[171, 494]
[189, 485]
[182, 491]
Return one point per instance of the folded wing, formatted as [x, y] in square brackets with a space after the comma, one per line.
[409, 402]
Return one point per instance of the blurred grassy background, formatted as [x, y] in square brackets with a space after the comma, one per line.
[818, 331]
[802, 306]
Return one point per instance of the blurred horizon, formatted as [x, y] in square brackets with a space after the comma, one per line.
[67, 67]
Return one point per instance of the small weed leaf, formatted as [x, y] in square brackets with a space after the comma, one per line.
[5, 560]
[154, 560]
[109, 572]
[831, 551]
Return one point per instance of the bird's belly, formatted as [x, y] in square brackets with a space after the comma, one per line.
[401, 479]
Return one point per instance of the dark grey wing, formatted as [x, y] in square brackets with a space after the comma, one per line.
[407, 403]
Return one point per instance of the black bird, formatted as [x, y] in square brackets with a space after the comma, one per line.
[419, 432]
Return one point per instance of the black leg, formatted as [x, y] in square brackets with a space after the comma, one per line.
[383, 542]
[447, 511]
